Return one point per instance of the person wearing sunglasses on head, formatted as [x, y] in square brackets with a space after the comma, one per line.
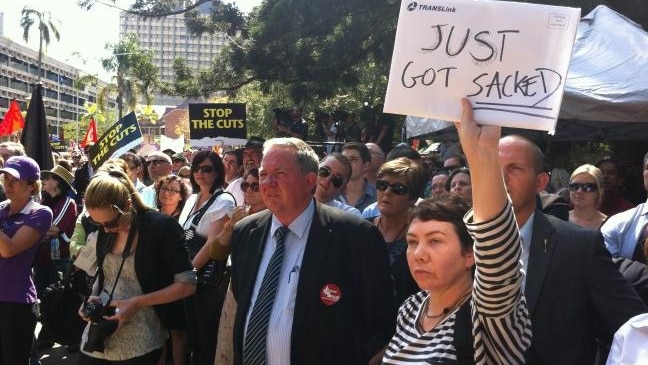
[332, 176]
[399, 184]
[586, 195]
[205, 214]
[142, 266]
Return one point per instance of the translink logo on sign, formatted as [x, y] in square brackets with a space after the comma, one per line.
[446, 9]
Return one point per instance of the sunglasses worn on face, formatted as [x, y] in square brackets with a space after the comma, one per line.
[203, 169]
[184, 176]
[586, 187]
[398, 188]
[109, 225]
[254, 186]
[325, 172]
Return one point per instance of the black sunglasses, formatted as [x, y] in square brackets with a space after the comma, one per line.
[184, 176]
[109, 225]
[246, 185]
[398, 188]
[586, 187]
[204, 169]
[325, 172]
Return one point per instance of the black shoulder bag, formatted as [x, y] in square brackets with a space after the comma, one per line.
[214, 271]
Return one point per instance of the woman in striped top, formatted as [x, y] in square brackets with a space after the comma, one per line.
[472, 308]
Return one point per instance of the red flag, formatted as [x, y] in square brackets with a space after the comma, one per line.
[91, 134]
[13, 120]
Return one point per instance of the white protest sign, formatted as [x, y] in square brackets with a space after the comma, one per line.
[510, 59]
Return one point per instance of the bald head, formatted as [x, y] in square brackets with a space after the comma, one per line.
[535, 155]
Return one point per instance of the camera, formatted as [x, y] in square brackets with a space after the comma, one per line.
[100, 328]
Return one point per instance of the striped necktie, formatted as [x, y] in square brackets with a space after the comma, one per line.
[254, 346]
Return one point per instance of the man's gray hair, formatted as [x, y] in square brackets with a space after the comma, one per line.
[16, 149]
[307, 159]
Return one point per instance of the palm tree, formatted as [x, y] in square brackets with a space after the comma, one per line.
[46, 27]
[136, 75]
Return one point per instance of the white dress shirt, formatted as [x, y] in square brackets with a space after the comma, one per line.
[629, 345]
[281, 318]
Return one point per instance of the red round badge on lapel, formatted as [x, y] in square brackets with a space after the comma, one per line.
[330, 294]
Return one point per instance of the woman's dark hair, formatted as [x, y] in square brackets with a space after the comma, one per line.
[132, 158]
[219, 169]
[63, 187]
[449, 208]
[251, 171]
[461, 170]
[184, 190]
[65, 163]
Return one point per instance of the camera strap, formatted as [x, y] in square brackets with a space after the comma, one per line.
[125, 254]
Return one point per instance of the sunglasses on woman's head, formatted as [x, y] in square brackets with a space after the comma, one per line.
[204, 169]
[246, 185]
[325, 172]
[398, 188]
[586, 187]
[109, 225]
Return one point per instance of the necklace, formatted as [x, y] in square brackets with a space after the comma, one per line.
[462, 298]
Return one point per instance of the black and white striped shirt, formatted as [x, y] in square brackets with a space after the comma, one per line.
[501, 324]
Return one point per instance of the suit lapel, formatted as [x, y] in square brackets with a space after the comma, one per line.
[540, 253]
[314, 257]
[256, 244]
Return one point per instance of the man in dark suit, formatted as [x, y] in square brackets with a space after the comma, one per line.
[334, 299]
[575, 294]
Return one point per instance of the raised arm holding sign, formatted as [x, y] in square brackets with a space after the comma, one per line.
[511, 60]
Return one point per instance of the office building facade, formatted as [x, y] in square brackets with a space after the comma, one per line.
[19, 74]
[169, 38]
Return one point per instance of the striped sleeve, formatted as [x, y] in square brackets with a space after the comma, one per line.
[501, 323]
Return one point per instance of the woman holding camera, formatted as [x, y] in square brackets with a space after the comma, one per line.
[141, 267]
[23, 224]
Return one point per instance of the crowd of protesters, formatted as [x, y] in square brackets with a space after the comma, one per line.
[275, 254]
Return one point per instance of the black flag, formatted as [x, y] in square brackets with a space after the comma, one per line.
[35, 136]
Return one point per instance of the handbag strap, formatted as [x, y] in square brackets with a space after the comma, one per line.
[196, 218]
[125, 254]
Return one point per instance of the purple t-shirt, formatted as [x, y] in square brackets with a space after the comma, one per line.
[16, 282]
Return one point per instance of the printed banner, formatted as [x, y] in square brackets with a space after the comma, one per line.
[217, 124]
[119, 138]
[510, 60]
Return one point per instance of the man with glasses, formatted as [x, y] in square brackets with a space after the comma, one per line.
[332, 176]
[359, 192]
[159, 165]
[311, 282]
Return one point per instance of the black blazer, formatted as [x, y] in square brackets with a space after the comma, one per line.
[574, 292]
[159, 254]
[341, 249]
